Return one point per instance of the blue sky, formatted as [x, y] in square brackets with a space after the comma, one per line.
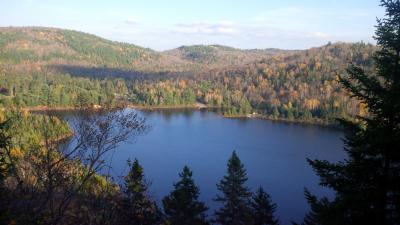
[166, 24]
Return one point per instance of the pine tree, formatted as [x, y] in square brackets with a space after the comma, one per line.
[182, 205]
[322, 211]
[137, 208]
[235, 195]
[4, 143]
[263, 209]
[367, 184]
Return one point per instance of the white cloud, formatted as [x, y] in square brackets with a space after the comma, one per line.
[288, 28]
[208, 28]
[321, 35]
[131, 21]
[249, 31]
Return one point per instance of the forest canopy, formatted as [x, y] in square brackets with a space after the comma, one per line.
[58, 68]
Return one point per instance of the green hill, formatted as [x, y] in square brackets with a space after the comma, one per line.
[50, 45]
[219, 55]
[39, 46]
[34, 47]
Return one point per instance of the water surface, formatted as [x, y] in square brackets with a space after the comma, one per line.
[274, 154]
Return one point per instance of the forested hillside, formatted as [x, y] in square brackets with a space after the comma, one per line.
[37, 46]
[212, 56]
[49, 45]
[54, 67]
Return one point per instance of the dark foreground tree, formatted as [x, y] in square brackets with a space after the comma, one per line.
[235, 195]
[323, 211]
[182, 205]
[4, 143]
[367, 183]
[137, 207]
[48, 183]
[263, 209]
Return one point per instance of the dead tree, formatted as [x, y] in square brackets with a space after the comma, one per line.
[47, 184]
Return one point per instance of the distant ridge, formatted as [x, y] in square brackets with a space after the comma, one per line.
[43, 46]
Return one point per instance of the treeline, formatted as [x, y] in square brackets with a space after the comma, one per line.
[57, 90]
[301, 86]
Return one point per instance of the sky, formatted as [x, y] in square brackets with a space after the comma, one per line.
[167, 24]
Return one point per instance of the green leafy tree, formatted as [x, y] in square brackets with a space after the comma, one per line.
[235, 196]
[367, 184]
[275, 112]
[137, 208]
[182, 205]
[189, 96]
[263, 209]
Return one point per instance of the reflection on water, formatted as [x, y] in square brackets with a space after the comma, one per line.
[274, 154]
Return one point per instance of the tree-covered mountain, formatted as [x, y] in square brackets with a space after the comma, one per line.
[49, 46]
[219, 55]
[56, 67]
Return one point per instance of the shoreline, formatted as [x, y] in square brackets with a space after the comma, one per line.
[150, 107]
[131, 106]
[47, 108]
[62, 138]
[315, 122]
[197, 106]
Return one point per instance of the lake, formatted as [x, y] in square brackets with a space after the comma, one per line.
[274, 154]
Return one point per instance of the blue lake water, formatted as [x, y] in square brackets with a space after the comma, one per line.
[273, 153]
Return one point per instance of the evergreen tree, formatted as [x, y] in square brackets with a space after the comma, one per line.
[263, 209]
[182, 205]
[322, 211]
[235, 195]
[137, 208]
[367, 184]
[275, 112]
[4, 143]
